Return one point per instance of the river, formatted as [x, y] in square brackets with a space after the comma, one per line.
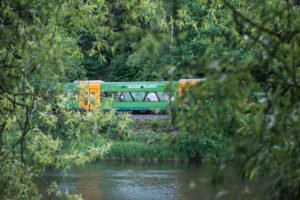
[149, 181]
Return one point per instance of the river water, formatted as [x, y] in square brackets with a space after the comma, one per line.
[149, 181]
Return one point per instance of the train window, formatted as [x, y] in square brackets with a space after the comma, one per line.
[137, 96]
[126, 97]
[93, 95]
[163, 96]
[85, 98]
[151, 97]
[93, 98]
[107, 96]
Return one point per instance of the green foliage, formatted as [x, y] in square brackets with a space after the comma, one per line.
[256, 50]
[17, 181]
[147, 142]
[40, 45]
[241, 47]
[127, 150]
[120, 128]
[68, 137]
[120, 71]
[148, 136]
[198, 147]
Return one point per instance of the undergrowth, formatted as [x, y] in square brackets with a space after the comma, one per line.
[138, 150]
[152, 140]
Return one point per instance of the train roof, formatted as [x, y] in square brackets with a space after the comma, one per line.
[193, 80]
[89, 81]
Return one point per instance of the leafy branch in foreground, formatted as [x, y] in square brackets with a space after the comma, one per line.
[39, 46]
[263, 137]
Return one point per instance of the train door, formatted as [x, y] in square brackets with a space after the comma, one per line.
[94, 98]
[89, 95]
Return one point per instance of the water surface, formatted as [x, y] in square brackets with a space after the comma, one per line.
[153, 181]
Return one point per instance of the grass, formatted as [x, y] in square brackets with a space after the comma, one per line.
[136, 150]
[145, 143]
[150, 140]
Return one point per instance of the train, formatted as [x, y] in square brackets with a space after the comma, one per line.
[125, 96]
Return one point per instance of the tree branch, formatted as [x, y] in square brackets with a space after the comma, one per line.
[257, 25]
[1, 133]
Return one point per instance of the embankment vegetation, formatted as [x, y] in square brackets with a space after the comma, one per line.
[153, 140]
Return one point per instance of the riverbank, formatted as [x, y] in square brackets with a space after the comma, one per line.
[152, 140]
[147, 141]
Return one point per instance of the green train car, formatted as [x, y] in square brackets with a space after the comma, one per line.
[127, 96]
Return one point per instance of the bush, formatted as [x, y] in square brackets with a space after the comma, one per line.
[198, 146]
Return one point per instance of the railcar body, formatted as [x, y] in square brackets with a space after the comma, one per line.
[127, 96]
